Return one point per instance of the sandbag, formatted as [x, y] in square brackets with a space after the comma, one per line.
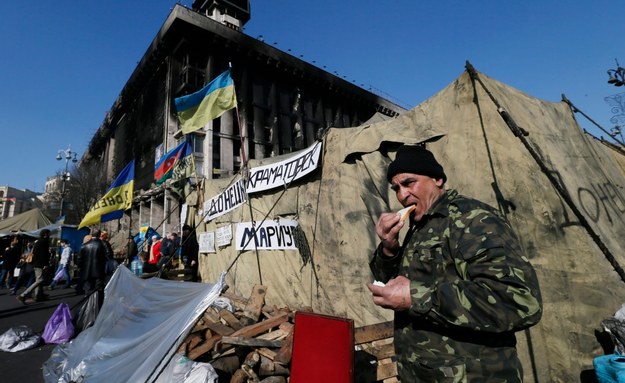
[184, 370]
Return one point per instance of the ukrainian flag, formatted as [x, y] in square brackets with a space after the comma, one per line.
[197, 109]
[117, 199]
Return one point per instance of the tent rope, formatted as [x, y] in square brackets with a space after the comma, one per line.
[286, 186]
[521, 134]
[577, 110]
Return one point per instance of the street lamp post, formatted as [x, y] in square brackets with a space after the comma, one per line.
[69, 155]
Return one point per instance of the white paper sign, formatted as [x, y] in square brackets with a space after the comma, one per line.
[224, 235]
[271, 235]
[262, 178]
[229, 199]
[207, 242]
[283, 172]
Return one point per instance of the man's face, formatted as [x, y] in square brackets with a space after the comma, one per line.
[415, 189]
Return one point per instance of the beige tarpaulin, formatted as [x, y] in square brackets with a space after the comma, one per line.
[561, 189]
[27, 221]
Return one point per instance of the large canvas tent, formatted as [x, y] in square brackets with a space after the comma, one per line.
[561, 190]
[27, 221]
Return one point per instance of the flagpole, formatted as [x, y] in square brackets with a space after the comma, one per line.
[241, 132]
[245, 174]
[241, 128]
[198, 184]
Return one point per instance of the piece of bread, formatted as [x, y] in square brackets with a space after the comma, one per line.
[405, 212]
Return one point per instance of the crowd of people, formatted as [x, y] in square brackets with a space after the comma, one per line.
[29, 267]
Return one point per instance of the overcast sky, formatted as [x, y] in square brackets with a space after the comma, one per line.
[64, 62]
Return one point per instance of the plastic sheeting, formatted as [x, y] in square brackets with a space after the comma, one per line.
[139, 328]
[18, 339]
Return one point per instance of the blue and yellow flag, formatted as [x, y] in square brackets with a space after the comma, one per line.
[197, 109]
[116, 199]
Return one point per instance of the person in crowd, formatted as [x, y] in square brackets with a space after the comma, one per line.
[26, 275]
[104, 237]
[189, 251]
[62, 270]
[460, 285]
[155, 250]
[40, 262]
[93, 259]
[175, 239]
[131, 251]
[166, 249]
[78, 261]
[111, 263]
[144, 258]
[11, 258]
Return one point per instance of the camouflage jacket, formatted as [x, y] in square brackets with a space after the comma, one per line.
[472, 288]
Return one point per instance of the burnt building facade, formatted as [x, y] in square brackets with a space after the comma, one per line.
[283, 105]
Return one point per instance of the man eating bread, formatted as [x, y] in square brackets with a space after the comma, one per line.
[459, 283]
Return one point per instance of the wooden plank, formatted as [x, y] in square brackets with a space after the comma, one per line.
[386, 369]
[219, 328]
[373, 332]
[194, 340]
[269, 368]
[255, 302]
[211, 316]
[267, 353]
[230, 319]
[286, 327]
[274, 335]
[286, 351]
[204, 347]
[251, 342]
[260, 327]
[380, 352]
[199, 326]
[228, 363]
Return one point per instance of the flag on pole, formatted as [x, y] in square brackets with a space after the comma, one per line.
[185, 166]
[197, 109]
[183, 169]
[164, 168]
[116, 199]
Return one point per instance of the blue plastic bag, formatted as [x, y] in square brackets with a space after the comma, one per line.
[59, 328]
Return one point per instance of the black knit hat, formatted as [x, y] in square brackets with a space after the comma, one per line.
[415, 159]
